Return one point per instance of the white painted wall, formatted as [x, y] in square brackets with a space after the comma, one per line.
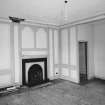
[56, 46]
[35, 53]
[4, 46]
[53, 54]
[73, 44]
[27, 38]
[94, 34]
[67, 55]
[69, 65]
[73, 54]
[64, 46]
[64, 51]
[99, 49]
[56, 53]
[5, 80]
[17, 61]
[26, 41]
[37, 42]
[45, 43]
[85, 33]
[41, 38]
[51, 59]
[34, 38]
[5, 55]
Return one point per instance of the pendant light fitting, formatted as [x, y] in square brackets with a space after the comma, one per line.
[66, 1]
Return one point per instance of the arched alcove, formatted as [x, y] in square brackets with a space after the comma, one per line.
[27, 38]
[41, 38]
[35, 75]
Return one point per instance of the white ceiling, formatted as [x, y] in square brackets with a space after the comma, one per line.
[51, 11]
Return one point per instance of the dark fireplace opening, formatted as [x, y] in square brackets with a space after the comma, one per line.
[36, 72]
[35, 75]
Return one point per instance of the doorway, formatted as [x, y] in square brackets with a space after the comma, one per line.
[83, 72]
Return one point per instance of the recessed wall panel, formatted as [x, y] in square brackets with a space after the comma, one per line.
[41, 38]
[51, 60]
[16, 54]
[35, 53]
[99, 49]
[56, 47]
[4, 46]
[64, 46]
[73, 46]
[27, 38]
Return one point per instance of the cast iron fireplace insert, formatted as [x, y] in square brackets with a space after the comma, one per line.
[35, 73]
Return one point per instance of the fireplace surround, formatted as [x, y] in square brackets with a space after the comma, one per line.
[34, 71]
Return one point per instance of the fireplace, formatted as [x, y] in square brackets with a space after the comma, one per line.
[34, 71]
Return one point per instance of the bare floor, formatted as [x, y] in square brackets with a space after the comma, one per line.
[59, 92]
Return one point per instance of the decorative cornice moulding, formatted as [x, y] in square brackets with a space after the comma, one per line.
[2, 19]
[58, 26]
[40, 24]
[84, 21]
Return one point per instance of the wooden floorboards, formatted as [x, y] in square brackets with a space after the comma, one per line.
[59, 92]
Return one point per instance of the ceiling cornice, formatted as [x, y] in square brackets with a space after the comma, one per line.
[84, 20]
[2, 19]
[41, 24]
[58, 26]
[32, 22]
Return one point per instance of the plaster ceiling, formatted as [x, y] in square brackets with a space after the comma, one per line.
[51, 11]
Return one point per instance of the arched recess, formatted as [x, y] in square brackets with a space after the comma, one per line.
[28, 38]
[41, 39]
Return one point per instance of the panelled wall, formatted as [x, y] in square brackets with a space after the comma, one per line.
[60, 46]
[38, 42]
[19, 41]
[5, 54]
[70, 38]
[99, 49]
[69, 55]
[34, 41]
[54, 53]
[85, 32]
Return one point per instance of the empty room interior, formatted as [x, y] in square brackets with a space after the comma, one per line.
[52, 52]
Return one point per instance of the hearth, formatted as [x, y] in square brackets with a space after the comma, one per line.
[34, 71]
